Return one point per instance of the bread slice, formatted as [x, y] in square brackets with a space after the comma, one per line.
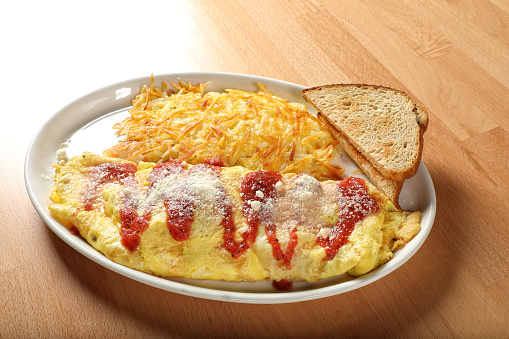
[382, 123]
[388, 187]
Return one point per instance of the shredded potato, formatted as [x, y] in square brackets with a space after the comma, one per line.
[253, 130]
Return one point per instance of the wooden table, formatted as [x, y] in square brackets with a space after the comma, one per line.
[451, 56]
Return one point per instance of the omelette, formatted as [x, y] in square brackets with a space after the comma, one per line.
[173, 219]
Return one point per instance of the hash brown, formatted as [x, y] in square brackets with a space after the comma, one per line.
[253, 130]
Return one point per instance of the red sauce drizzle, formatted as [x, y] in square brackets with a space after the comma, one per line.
[355, 204]
[234, 247]
[180, 217]
[100, 174]
[179, 211]
[132, 225]
[216, 161]
[74, 230]
[161, 170]
[264, 181]
[282, 285]
[285, 259]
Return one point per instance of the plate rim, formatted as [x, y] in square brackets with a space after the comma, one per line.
[206, 292]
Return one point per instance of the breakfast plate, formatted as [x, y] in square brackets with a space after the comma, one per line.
[86, 125]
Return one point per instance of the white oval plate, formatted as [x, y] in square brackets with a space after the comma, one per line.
[87, 123]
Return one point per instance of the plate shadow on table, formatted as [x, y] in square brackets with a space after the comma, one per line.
[382, 307]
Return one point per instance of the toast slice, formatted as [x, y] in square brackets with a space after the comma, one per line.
[388, 187]
[383, 124]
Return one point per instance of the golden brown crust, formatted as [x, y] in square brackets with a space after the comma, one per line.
[422, 118]
[193, 126]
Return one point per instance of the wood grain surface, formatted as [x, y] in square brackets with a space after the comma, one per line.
[451, 56]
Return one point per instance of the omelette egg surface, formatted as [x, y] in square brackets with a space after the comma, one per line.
[228, 223]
